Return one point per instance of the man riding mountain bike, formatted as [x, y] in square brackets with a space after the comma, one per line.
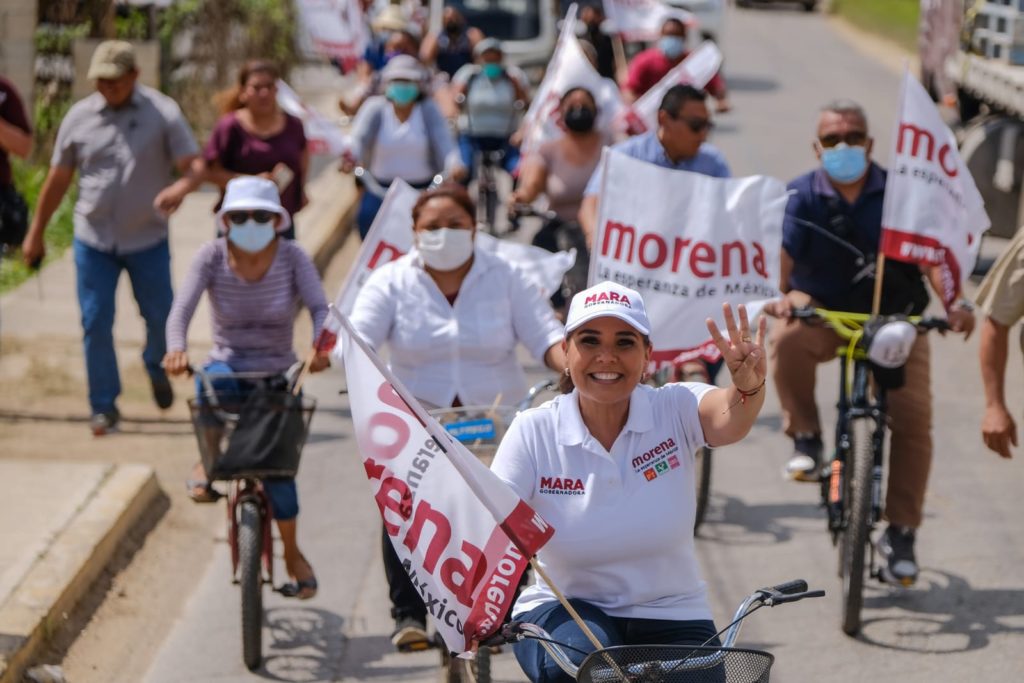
[830, 240]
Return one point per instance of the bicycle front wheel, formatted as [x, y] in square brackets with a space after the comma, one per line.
[855, 534]
[250, 578]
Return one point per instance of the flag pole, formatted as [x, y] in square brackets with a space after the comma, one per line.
[565, 603]
[619, 50]
[876, 302]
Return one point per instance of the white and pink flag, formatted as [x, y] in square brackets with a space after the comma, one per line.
[391, 236]
[463, 536]
[687, 242]
[699, 67]
[933, 213]
[641, 20]
[336, 29]
[569, 68]
[322, 135]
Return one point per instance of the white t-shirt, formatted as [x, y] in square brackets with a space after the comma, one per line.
[466, 349]
[403, 148]
[623, 520]
[489, 110]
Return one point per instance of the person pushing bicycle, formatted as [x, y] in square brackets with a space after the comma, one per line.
[830, 241]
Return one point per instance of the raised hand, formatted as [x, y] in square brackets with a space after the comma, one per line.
[744, 356]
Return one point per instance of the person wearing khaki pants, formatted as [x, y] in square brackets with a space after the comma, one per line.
[831, 235]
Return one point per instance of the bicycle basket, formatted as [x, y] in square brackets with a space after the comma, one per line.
[478, 428]
[675, 664]
[262, 437]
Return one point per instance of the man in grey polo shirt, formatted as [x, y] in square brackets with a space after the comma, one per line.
[124, 140]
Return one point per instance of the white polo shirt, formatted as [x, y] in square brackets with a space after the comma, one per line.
[466, 349]
[623, 519]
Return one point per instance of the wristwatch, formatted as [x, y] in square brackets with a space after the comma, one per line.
[963, 305]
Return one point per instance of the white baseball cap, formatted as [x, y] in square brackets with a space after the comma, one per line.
[253, 193]
[608, 299]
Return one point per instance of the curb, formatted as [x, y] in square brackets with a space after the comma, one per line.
[64, 573]
[325, 223]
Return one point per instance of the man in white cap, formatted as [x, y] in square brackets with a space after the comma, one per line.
[124, 140]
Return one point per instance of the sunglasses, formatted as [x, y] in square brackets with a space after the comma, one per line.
[696, 125]
[855, 138]
[260, 216]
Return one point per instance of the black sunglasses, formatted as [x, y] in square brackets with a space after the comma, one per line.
[855, 138]
[696, 125]
[260, 216]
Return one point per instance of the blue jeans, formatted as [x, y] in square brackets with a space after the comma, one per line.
[539, 667]
[283, 494]
[469, 145]
[97, 273]
[369, 205]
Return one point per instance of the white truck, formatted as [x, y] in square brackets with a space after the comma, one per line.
[988, 73]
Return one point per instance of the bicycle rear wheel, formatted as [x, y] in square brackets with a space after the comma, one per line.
[250, 578]
[855, 534]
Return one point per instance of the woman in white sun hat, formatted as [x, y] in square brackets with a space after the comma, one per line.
[254, 280]
[610, 465]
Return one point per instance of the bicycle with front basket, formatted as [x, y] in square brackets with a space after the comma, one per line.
[851, 482]
[670, 663]
[480, 429]
[254, 430]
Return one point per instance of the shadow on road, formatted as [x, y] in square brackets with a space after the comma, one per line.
[947, 616]
[747, 83]
[305, 644]
[731, 521]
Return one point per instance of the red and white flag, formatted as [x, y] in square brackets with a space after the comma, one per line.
[933, 213]
[568, 68]
[699, 67]
[462, 534]
[641, 20]
[391, 236]
[322, 135]
[336, 29]
[687, 242]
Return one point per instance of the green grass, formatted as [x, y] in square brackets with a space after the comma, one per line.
[28, 178]
[892, 19]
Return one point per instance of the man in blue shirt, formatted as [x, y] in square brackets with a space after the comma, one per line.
[831, 236]
[679, 142]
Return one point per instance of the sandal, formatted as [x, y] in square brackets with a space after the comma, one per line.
[202, 491]
[303, 589]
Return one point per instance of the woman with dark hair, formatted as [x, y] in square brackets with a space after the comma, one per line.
[623, 553]
[400, 135]
[254, 136]
[452, 315]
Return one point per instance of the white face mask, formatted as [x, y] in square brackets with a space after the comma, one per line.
[445, 248]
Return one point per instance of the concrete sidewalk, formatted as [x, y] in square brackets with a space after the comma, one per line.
[67, 501]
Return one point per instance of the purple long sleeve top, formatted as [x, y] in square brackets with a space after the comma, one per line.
[252, 322]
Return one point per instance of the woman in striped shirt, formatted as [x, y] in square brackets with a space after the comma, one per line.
[254, 280]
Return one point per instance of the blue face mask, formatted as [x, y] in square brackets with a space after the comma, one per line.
[402, 93]
[845, 164]
[493, 70]
[251, 236]
[672, 46]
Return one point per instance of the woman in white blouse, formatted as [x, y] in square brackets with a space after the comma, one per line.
[451, 315]
[401, 134]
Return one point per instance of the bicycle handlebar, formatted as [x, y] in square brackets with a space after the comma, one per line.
[366, 180]
[847, 319]
[790, 591]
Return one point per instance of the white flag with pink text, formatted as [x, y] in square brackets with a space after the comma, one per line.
[463, 536]
[639, 20]
[933, 213]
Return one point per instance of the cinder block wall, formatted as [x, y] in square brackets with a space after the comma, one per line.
[18, 20]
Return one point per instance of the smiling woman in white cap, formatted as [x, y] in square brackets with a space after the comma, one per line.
[610, 465]
[254, 280]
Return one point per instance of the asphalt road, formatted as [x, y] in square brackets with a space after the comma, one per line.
[964, 620]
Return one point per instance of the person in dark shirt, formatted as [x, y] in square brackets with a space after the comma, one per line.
[15, 131]
[591, 17]
[831, 236]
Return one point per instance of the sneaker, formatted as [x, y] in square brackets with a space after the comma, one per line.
[410, 635]
[163, 393]
[104, 423]
[896, 547]
[805, 465]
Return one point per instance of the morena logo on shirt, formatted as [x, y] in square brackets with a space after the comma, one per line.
[661, 467]
[663, 448]
[566, 486]
[607, 298]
